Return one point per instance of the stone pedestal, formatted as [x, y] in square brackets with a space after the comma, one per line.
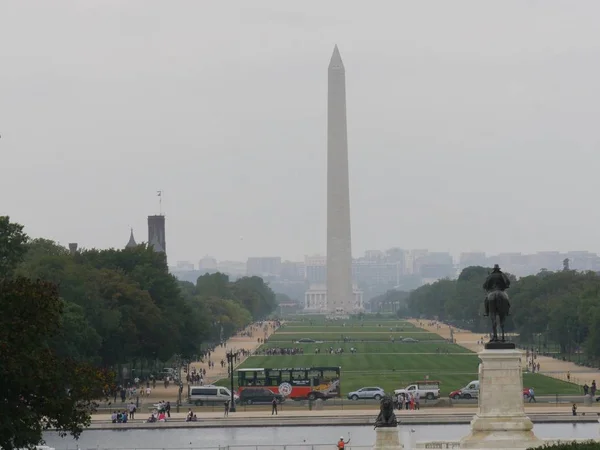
[501, 422]
[387, 438]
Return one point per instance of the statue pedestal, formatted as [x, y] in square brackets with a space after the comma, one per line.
[387, 438]
[501, 422]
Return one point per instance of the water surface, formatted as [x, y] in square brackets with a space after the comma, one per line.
[213, 437]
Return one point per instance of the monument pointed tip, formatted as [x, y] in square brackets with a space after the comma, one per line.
[336, 59]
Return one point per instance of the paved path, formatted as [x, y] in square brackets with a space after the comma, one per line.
[246, 339]
[237, 342]
[548, 366]
[335, 412]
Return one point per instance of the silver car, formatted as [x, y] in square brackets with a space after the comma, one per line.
[367, 392]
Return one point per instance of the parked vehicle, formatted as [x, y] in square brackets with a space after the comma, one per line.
[426, 389]
[308, 341]
[471, 390]
[259, 395]
[209, 394]
[454, 395]
[367, 392]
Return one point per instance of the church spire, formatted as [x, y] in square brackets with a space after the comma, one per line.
[131, 242]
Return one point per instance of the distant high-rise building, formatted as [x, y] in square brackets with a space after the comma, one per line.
[269, 266]
[73, 248]
[156, 233]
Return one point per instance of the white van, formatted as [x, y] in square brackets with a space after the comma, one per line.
[209, 394]
[471, 390]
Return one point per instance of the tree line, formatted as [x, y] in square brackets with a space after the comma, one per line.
[559, 308]
[67, 318]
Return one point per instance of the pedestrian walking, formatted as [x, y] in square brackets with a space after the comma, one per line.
[274, 406]
[226, 408]
[532, 395]
[168, 409]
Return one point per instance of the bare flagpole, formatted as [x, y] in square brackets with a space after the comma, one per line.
[159, 193]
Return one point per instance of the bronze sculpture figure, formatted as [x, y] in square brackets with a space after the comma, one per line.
[386, 417]
[497, 305]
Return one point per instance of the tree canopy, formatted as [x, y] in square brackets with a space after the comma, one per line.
[561, 307]
[67, 318]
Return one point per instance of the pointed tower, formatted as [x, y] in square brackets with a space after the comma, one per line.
[339, 249]
[131, 242]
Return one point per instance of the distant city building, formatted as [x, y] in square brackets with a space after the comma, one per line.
[293, 271]
[208, 264]
[234, 269]
[472, 259]
[435, 265]
[316, 269]
[184, 265]
[315, 299]
[264, 266]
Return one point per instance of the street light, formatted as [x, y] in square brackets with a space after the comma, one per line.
[231, 358]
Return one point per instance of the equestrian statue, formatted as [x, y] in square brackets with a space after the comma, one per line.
[497, 305]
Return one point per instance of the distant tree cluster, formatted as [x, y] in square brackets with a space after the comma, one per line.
[66, 319]
[562, 307]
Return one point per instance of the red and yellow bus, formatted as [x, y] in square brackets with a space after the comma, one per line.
[297, 383]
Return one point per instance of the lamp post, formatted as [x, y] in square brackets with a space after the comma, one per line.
[231, 357]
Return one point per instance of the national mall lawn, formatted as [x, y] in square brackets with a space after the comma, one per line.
[382, 358]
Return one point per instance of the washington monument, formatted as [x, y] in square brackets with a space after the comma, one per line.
[339, 249]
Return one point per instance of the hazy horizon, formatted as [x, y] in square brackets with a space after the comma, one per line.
[222, 106]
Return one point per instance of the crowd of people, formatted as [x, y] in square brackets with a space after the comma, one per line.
[270, 351]
[408, 401]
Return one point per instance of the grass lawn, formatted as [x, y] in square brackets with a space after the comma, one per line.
[376, 347]
[349, 329]
[320, 319]
[353, 335]
[379, 362]
[544, 385]
[373, 362]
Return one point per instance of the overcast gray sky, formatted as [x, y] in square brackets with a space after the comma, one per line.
[222, 104]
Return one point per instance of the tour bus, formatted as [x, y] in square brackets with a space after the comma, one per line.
[296, 383]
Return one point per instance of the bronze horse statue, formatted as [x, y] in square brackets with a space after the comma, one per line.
[499, 307]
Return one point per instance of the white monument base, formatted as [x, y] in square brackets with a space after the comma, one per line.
[501, 422]
[387, 438]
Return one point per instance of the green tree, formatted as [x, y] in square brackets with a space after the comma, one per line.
[40, 390]
[12, 246]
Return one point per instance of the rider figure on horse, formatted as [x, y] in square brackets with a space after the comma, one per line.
[496, 281]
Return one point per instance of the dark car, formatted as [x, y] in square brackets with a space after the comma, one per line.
[252, 396]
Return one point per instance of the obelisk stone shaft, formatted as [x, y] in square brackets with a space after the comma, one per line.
[339, 248]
